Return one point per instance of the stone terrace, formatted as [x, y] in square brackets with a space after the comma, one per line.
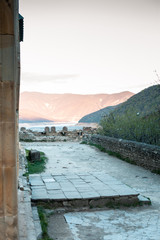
[82, 190]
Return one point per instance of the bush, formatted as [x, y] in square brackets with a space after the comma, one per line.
[133, 127]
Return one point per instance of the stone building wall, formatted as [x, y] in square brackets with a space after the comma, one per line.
[9, 91]
[145, 155]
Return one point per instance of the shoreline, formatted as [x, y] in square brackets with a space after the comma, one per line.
[93, 125]
[40, 126]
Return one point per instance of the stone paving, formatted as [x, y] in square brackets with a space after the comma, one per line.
[29, 224]
[28, 219]
[117, 224]
[82, 186]
[141, 223]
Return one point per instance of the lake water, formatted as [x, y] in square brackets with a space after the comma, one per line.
[40, 126]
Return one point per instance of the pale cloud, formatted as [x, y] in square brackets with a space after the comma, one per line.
[35, 77]
[46, 83]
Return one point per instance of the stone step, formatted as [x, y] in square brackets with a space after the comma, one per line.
[82, 190]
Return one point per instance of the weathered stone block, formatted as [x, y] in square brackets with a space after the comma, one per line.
[23, 129]
[1, 193]
[11, 227]
[26, 136]
[53, 130]
[9, 144]
[10, 193]
[7, 18]
[46, 131]
[65, 129]
[101, 202]
[2, 228]
[34, 155]
[80, 203]
[87, 129]
[7, 111]
[7, 42]
[1, 140]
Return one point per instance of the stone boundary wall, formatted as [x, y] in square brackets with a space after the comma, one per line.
[145, 155]
[50, 134]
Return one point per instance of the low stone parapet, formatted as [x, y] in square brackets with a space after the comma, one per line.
[145, 155]
[53, 135]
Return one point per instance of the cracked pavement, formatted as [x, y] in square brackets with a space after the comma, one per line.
[140, 223]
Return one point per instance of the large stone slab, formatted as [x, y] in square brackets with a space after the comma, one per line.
[39, 194]
[52, 186]
[102, 188]
[36, 180]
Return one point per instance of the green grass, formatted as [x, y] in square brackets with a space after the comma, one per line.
[26, 140]
[44, 223]
[118, 155]
[37, 166]
[83, 142]
[156, 171]
[102, 149]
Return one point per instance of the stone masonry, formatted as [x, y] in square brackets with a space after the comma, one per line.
[53, 135]
[9, 97]
[145, 155]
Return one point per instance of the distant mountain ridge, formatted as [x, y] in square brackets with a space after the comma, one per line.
[36, 106]
[143, 103]
[96, 117]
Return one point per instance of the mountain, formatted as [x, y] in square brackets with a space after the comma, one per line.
[141, 104]
[96, 117]
[36, 106]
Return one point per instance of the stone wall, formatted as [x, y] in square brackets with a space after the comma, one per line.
[9, 91]
[145, 155]
[50, 134]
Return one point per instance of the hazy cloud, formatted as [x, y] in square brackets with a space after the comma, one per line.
[48, 83]
[35, 77]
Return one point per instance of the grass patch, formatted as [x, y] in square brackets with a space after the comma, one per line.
[27, 140]
[102, 149]
[44, 223]
[37, 166]
[156, 171]
[118, 155]
[83, 142]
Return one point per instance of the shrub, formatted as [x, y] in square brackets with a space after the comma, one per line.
[133, 127]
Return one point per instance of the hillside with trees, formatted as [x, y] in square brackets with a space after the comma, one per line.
[136, 119]
[96, 117]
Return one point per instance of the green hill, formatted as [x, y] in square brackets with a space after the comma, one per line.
[142, 103]
[136, 119]
[96, 117]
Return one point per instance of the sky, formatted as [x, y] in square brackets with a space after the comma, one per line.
[90, 46]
